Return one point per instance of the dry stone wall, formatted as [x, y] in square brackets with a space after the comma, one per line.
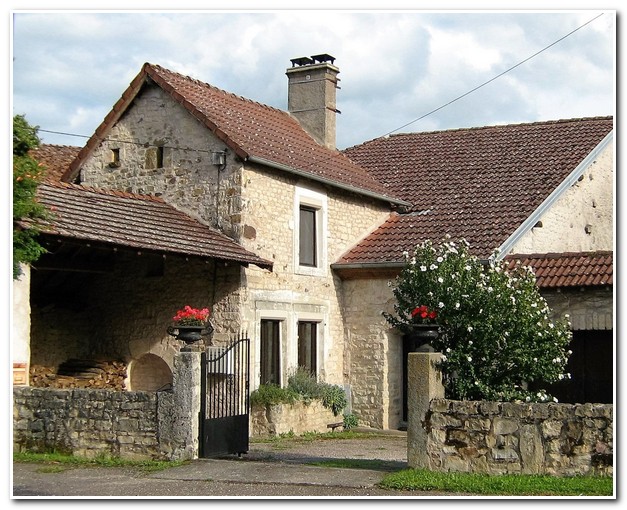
[500, 437]
[86, 423]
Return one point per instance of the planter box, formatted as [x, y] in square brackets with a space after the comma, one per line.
[298, 418]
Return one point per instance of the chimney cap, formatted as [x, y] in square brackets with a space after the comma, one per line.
[323, 57]
[301, 61]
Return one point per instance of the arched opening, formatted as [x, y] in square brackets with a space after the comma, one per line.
[150, 373]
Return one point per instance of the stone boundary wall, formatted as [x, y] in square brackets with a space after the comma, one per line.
[503, 437]
[133, 425]
[86, 423]
[298, 418]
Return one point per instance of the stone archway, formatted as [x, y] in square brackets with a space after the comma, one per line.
[149, 373]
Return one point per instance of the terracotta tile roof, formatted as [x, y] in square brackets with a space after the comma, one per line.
[479, 184]
[555, 270]
[55, 158]
[142, 222]
[252, 130]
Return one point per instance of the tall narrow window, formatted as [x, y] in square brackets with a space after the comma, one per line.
[115, 158]
[270, 349]
[307, 241]
[160, 156]
[307, 345]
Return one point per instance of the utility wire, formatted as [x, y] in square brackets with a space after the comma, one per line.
[492, 79]
[389, 132]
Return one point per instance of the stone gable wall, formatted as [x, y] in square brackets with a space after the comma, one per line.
[582, 218]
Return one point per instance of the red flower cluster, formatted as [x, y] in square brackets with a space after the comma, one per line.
[189, 316]
[423, 312]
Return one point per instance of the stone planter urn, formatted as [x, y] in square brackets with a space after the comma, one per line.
[190, 334]
[421, 337]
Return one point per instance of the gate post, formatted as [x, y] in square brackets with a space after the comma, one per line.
[179, 411]
[424, 383]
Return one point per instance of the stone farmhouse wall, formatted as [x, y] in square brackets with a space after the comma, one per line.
[373, 354]
[255, 205]
[270, 216]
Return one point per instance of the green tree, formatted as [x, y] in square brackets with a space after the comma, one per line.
[497, 336]
[27, 212]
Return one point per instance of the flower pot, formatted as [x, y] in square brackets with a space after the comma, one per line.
[190, 334]
[421, 336]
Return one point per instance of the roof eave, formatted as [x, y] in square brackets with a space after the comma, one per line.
[329, 182]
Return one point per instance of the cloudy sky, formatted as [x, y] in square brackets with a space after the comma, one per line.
[70, 67]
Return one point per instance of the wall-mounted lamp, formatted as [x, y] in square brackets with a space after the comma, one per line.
[218, 158]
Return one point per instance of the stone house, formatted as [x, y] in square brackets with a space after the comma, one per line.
[188, 194]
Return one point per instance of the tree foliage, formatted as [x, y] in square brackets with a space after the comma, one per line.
[27, 212]
[497, 335]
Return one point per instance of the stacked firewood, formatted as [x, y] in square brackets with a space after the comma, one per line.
[80, 373]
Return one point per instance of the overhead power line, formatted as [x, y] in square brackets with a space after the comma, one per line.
[389, 132]
[492, 79]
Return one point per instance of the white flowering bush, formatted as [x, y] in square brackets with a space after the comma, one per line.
[497, 336]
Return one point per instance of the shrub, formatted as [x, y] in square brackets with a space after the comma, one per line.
[304, 386]
[271, 394]
[350, 421]
[497, 336]
[334, 398]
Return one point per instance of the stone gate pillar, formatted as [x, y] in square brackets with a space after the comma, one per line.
[424, 383]
[178, 412]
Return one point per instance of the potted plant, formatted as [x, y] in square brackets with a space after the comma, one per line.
[190, 324]
[422, 328]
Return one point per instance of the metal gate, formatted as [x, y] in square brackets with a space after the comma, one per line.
[224, 426]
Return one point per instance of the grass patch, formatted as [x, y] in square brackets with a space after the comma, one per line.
[505, 485]
[57, 462]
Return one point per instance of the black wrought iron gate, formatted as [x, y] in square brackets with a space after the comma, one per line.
[224, 424]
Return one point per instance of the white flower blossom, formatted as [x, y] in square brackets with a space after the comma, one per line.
[433, 267]
[423, 268]
[469, 329]
[469, 358]
[456, 306]
[440, 279]
[440, 305]
[440, 259]
[448, 349]
[469, 342]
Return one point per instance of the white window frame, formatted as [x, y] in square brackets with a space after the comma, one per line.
[318, 202]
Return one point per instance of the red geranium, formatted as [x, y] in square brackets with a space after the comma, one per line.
[189, 316]
[423, 312]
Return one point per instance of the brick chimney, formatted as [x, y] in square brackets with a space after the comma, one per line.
[312, 82]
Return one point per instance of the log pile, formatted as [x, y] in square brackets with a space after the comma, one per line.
[80, 373]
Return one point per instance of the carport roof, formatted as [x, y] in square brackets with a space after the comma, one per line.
[142, 222]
